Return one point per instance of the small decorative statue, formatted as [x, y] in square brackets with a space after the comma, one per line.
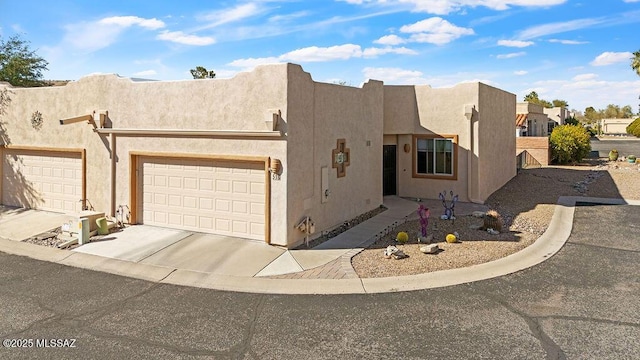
[449, 213]
[424, 214]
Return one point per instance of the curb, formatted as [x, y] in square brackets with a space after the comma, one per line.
[543, 248]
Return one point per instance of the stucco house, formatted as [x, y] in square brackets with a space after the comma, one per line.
[615, 126]
[531, 120]
[253, 156]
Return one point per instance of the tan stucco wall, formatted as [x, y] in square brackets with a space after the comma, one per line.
[240, 103]
[615, 126]
[496, 139]
[538, 119]
[424, 110]
[318, 115]
[413, 110]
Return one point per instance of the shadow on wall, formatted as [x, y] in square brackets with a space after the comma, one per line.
[12, 176]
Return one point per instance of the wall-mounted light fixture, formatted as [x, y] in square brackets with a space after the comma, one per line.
[275, 168]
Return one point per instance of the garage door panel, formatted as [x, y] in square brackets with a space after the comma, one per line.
[42, 179]
[220, 197]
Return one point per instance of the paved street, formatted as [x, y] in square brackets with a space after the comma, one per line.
[583, 303]
[625, 146]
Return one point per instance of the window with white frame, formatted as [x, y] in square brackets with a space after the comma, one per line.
[435, 156]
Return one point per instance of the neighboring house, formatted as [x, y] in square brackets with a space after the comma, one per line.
[557, 116]
[252, 156]
[531, 120]
[615, 126]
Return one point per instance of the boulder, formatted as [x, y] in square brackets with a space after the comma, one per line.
[430, 249]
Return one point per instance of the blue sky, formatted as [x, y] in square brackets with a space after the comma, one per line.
[578, 51]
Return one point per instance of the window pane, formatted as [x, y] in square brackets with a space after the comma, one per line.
[422, 162]
[430, 161]
[440, 163]
[422, 144]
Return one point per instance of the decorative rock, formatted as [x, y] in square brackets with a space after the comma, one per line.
[388, 253]
[430, 249]
[478, 214]
[493, 232]
[400, 255]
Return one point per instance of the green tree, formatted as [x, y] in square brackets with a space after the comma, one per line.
[560, 103]
[571, 121]
[592, 115]
[626, 112]
[569, 143]
[19, 65]
[533, 98]
[200, 72]
[635, 62]
[634, 128]
[612, 111]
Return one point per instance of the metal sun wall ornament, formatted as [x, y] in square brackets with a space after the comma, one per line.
[341, 157]
[36, 120]
[449, 213]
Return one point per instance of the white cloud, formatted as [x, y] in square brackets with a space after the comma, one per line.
[443, 7]
[390, 40]
[374, 52]
[229, 15]
[515, 43]
[145, 73]
[253, 62]
[520, 72]
[185, 39]
[322, 54]
[288, 17]
[317, 54]
[435, 30]
[95, 35]
[511, 55]
[608, 58]
[584, 77]
[569, 42]
[394, 75]
[127, 21]
[556, 28]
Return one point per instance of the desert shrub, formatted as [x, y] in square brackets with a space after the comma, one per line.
[569, 143]
[634, 128]
[592, 132]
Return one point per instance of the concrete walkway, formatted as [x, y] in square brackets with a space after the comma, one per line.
[211, 261]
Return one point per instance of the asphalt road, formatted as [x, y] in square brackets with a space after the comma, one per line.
[583, 303]
[630, 146]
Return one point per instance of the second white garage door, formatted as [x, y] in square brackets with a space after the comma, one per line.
[219, 197]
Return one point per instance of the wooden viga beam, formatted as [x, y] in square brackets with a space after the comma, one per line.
[67, 121]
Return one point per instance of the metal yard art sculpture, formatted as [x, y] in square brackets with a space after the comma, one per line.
[449, 213]
[424, 214]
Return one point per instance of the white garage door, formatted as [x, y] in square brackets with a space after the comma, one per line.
[42, 180]
[219, 197]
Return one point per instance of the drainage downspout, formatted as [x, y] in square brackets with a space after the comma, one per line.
[113, 174]
[469, 112]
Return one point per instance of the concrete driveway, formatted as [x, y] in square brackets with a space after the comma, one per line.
[19, 224]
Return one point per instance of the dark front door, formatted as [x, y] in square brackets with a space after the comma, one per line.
[389, 170]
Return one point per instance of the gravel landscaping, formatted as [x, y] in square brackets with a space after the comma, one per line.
[526, 204]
